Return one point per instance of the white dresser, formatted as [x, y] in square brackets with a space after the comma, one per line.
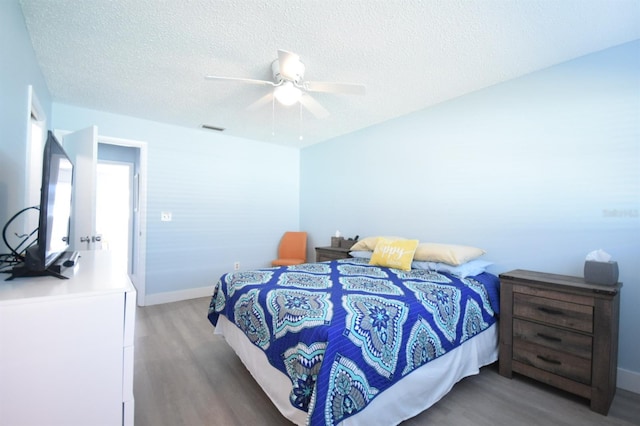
[66, 346]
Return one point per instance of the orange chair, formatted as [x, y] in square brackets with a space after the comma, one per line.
[292, 249]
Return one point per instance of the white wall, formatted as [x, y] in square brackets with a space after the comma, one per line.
[231, 199]
[538, 171]
[19, 69]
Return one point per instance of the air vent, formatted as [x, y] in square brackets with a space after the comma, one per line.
[208, 127]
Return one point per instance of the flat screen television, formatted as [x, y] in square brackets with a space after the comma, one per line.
[54, 223]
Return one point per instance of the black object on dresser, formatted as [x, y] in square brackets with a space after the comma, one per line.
[331, 253]
[560, 330]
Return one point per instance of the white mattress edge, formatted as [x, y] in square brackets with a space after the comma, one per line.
[416, 397]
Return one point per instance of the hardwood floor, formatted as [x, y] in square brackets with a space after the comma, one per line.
[185, 375]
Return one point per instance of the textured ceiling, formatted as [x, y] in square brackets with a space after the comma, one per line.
[148, 58]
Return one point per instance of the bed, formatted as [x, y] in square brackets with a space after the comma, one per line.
[346, 342]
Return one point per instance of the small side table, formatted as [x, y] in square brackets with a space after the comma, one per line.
[324, 254]
[562, 331]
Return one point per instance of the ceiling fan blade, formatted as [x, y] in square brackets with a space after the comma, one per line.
[289, 65]
[327, 87]
[266, 99]
[313, 106]
[243, 80]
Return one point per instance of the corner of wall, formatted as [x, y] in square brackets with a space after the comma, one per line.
[629, 380]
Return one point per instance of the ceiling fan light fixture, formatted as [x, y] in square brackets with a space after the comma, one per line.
[287, 94]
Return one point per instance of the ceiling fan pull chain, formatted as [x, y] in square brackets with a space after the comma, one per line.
[273, 116]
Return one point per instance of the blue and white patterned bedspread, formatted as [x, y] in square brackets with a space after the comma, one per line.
[355, 329]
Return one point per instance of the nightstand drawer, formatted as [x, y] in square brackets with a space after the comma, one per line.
[554, 338]
[325, 254]
[556, 362]
[561, 313]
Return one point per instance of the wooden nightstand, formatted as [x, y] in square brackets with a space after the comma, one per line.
[331, 253]
[561, 331]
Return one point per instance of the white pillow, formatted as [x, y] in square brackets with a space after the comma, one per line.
[453, 254]
[468, 269]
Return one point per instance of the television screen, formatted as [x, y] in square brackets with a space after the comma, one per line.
[58, 207]
[55, 208]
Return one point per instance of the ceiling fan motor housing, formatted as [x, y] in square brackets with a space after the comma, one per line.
[295, 72]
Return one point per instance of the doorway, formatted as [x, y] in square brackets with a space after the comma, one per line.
[114, 183]
[121, 204]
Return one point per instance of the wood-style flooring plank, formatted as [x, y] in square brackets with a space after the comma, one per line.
[187, 376]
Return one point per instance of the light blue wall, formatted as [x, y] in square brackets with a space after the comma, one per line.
[231, 199]
[19, 69]
[531, 170]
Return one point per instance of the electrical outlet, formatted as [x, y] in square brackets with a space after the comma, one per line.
[165, 216]
[236, 266]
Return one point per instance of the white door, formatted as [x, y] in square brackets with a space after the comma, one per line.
[82, 147]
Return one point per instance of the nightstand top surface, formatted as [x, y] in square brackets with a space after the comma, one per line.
[340, 249]
[561, 280]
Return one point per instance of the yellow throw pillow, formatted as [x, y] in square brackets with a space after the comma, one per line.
[446, 253]
[394, 253]
[369, 243]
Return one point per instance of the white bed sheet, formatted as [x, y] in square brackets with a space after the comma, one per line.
[410, 396]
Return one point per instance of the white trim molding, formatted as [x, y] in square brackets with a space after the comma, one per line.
[628, 380]
[176, 296]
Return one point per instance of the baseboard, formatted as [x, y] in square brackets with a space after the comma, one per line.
[176, 296]
[629, 380]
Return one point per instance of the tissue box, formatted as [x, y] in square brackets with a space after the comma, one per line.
[601, 272]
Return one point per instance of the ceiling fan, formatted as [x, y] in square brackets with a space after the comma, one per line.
[289, 86]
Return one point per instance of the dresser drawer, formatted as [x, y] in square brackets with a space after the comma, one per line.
[554, 361]
[555, 312]
[554, 338]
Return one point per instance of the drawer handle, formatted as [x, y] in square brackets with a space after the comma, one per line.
[550, 361]
[550, 311]
[550, 338]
